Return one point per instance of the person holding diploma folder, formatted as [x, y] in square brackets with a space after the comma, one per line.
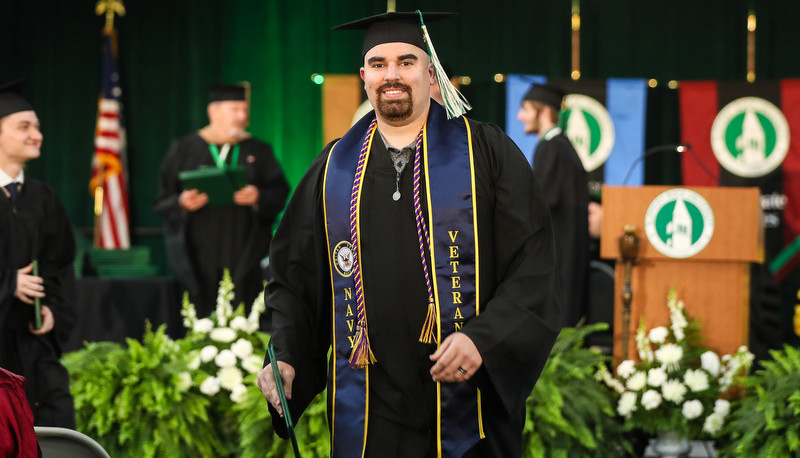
[37, 250]
[216, 228]
[418, 250]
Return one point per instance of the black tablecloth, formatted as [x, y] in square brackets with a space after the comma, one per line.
[114, 309]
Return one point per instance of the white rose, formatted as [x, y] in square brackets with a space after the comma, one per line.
[710, 362]
[713, 423]
[696, 380]
[242, 348]
[184, 381]
[239, 394]
[208, 353]
[658, 335]
[637, 381]
[722, 407]
[673, 390]
[225, 335]
[225, 358]
[651, 399]
[239, 323]
[203, 325]
[627, 404]
[253, 364]
[656, 376]
[692, 409]
[669, 355]
[626, 368]
[210, 386]
[229, 377]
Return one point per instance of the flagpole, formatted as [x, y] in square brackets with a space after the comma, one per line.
[575, 24]
[751, 46]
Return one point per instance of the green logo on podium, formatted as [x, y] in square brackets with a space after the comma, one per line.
[679, 223]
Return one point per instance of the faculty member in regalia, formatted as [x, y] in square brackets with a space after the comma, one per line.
[419, 247]
[203, 239]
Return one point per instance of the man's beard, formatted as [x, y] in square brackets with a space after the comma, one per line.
[395, 110]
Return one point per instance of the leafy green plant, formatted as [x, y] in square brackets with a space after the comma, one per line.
[258, 438]
[570, 412]
[134, 401]
[766, 423]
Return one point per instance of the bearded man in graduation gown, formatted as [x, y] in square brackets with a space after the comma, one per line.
[419, 248]
[34, 227]
[202, 239]
[560, 173]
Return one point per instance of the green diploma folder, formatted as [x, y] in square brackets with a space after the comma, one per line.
[218, 184]
[287, 416]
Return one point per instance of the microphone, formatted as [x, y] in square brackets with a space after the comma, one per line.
[679, 148]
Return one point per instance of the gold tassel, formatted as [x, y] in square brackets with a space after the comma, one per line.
[362, 352]
[428, 335]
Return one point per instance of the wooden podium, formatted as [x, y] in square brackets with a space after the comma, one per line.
[714, 283]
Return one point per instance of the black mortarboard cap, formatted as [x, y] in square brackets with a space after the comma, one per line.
[546, 93]
[222, 92]
[393, 27]
[11, 100]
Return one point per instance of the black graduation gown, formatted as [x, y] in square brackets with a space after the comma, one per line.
[203, 243]
[519, 315]
[37, 227]
[563, 179]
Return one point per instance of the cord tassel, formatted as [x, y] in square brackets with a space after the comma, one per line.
[428, 334]
[362, 351]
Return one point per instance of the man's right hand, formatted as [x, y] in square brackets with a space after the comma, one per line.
[29, 286]
[191, 200]
[266, 382]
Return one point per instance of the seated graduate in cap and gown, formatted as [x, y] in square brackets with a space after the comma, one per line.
[203, 239]
[419, 248]
[561, 174]
[33, 227]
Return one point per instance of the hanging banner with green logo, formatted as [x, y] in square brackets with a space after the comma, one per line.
[746, 134]
[604, 120]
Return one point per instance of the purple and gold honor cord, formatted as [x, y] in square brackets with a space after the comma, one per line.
[427, 335]
[362, 353]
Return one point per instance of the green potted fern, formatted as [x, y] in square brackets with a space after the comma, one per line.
[766, 422]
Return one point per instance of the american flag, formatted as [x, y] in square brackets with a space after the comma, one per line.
[108, 183]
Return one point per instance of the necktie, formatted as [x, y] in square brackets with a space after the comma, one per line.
[13, 191]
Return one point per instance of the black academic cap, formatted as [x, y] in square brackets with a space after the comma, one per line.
[222, 92]
[392, 27]
[546, 93]
[11, 100]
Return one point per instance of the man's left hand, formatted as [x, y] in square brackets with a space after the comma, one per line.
[247, 196]
[457, 359]
[48, 321]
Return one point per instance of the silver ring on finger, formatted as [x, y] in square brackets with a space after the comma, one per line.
[462, 370]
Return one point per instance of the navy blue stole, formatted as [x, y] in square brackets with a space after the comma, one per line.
[450, 197]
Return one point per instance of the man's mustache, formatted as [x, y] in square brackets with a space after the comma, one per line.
[400, 86]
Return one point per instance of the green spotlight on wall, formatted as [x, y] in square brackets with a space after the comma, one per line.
[317, 78]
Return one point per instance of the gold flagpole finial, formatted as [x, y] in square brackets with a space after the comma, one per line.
[110, 8]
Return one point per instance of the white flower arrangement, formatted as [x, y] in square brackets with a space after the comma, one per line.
[676, 385]
[223, 345]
